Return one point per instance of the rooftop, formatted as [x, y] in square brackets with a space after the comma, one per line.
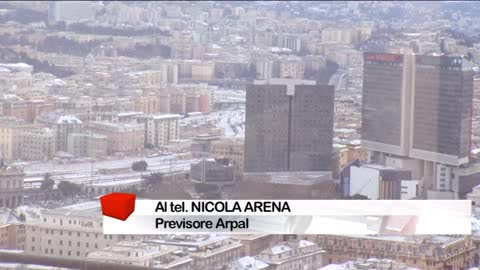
[160, 116]
[299, 178]
[86, 209]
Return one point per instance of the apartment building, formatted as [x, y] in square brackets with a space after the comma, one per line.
[10, 130]
[122, 137]
[203, 71]
[292, 68]
[36, 107]
[37, 144]
[141, 253]
[147, 104]
[424, 252]
[232, 149]
[87, 145]
[62, 125]
[15, 106]
[12, 230]
[11, 186]
[213, 252]
[160, 129]
[70, 232]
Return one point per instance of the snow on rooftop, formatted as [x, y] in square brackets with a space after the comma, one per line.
[251, 263]
[68, 119]
[305, 243]
[280, 249]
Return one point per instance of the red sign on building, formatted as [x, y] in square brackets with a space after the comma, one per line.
[382, 57]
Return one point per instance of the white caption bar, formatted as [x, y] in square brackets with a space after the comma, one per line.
[388, 217]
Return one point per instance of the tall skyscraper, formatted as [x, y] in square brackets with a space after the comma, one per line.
[417, 106]
[289, 126]
[416, 114]
[386, 103]
[442, 110]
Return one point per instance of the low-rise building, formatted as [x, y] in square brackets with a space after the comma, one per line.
[291, 254]
[70, 232]
[378, 181]
[141, 253]
[248, 263]
[369, 264]
[231, 149]
[424, 252]
[211, 252]
[287, 185]
[253, 244]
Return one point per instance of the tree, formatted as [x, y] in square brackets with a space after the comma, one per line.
[47, 183]
[356, 197]
[69, 189]
[149, 146]
[139, 166]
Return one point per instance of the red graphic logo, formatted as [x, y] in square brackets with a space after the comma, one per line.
[118, 205]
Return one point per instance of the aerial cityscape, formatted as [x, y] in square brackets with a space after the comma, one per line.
[235, 100]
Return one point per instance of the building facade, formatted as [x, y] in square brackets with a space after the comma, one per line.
[291, 254]
[87, 145]
[160, 129]
[11, 186]
[422, 116]
[122, 137]
[70, 232]
[37, 144]
[425, 252]
[288, 126]
[232, 149]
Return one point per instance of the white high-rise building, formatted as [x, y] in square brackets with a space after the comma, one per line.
[70, 11]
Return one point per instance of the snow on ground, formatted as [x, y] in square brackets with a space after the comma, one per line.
[30, 211]
[231, 119]
[81, 172]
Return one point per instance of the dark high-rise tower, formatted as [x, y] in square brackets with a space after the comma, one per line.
[416, 114]
[417, 106]
[442, 109]
[386, 103]
[289, 126]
